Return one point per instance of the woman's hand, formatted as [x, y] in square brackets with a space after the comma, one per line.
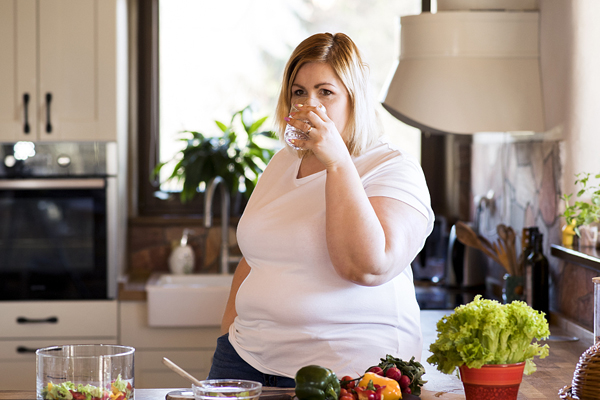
[325, 141]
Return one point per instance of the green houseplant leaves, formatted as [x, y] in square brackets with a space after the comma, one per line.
[235, 156]
[582, 212]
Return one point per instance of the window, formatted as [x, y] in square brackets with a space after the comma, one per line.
[215, 58]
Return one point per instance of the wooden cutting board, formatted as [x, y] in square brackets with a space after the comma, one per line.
[267, 394]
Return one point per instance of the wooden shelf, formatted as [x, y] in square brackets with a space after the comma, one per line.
[587, 257]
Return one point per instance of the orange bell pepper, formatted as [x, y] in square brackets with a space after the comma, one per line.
[390, 388]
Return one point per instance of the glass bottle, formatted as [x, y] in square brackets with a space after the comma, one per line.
[536, 275]
[526, 248]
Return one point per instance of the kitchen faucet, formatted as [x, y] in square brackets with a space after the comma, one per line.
[209, 194]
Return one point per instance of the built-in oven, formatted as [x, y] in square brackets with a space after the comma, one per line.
[57, 213]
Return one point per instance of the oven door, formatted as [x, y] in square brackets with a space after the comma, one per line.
[53, 239]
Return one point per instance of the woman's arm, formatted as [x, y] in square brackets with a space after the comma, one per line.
[370, 240]
[241, 272]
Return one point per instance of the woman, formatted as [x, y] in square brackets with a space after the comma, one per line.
[327, 236]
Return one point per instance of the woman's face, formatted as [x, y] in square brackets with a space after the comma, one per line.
[320, 82]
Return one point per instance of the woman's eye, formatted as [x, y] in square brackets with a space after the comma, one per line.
[326, 92]
[298, 92]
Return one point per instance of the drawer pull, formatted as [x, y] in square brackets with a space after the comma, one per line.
[48, 123]
[24, 350]
[26, 128]
[49, 320]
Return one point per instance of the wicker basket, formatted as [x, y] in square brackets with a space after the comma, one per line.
[586, 378]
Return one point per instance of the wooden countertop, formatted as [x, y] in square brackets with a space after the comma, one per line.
[554, 372]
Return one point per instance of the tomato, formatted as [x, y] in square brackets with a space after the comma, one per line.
[77, 395]
[347, 382]
[347, 396]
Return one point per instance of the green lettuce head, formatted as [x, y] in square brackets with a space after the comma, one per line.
[487, 332]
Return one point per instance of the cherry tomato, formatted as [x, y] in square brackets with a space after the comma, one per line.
[347, 396]
[347, 382]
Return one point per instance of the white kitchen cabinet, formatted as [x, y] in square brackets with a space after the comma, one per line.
[29, 325]
[62, 70]
[190, 348]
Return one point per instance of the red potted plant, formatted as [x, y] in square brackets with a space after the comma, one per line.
[491, 344]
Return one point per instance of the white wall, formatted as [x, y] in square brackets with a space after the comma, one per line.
[570, 63]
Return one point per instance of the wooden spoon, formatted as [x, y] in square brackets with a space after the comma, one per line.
[468, 237]
[180, 371]
[507, 253]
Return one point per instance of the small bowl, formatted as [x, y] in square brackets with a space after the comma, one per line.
[227, 389]
[92, 370]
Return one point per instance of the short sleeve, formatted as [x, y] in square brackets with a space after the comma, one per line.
[399, 176]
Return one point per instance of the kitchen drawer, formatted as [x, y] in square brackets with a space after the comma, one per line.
[135, 332]
[17, 370]
[58, 319]
[9, 348]
[151, 372]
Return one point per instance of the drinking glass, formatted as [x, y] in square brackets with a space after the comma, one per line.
[292, 132]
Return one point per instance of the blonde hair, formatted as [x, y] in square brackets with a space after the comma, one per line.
[339, 52]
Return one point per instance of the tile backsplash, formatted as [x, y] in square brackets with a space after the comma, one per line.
[151, 240]
[525, 177]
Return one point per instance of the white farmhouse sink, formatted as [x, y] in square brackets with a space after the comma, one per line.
[187, 300]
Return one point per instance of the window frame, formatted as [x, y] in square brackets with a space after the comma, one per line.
[148, 114]
[148, 135]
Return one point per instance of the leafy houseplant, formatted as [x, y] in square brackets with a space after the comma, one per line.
[488, 332]
[491, 345]
[582, 213]
[235, 156]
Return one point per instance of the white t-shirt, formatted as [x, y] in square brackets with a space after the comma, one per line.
[293, 308]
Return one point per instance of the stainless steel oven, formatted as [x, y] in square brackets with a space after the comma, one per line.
[58, 210]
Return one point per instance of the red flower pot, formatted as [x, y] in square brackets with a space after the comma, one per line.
[492, 382]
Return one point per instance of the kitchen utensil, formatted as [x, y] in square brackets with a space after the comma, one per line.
[99, 366]
[468, 237]
[180, 371]
[506, 248]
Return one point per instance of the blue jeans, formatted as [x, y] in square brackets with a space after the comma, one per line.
[227, 364]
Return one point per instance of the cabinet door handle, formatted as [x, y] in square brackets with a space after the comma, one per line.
[24, 350]
[49, 320]
[48, 102]
[26, 112]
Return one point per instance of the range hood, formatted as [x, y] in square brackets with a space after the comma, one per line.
[468, 71]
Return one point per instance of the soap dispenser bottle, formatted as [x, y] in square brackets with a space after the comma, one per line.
[181, 260]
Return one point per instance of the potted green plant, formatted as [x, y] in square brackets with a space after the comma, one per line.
[580, 214]
[235, 156]
[491, 345]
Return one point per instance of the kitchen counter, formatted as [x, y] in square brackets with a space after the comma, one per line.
[554, 372]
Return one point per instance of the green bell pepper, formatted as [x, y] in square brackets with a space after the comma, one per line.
[314, 382]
